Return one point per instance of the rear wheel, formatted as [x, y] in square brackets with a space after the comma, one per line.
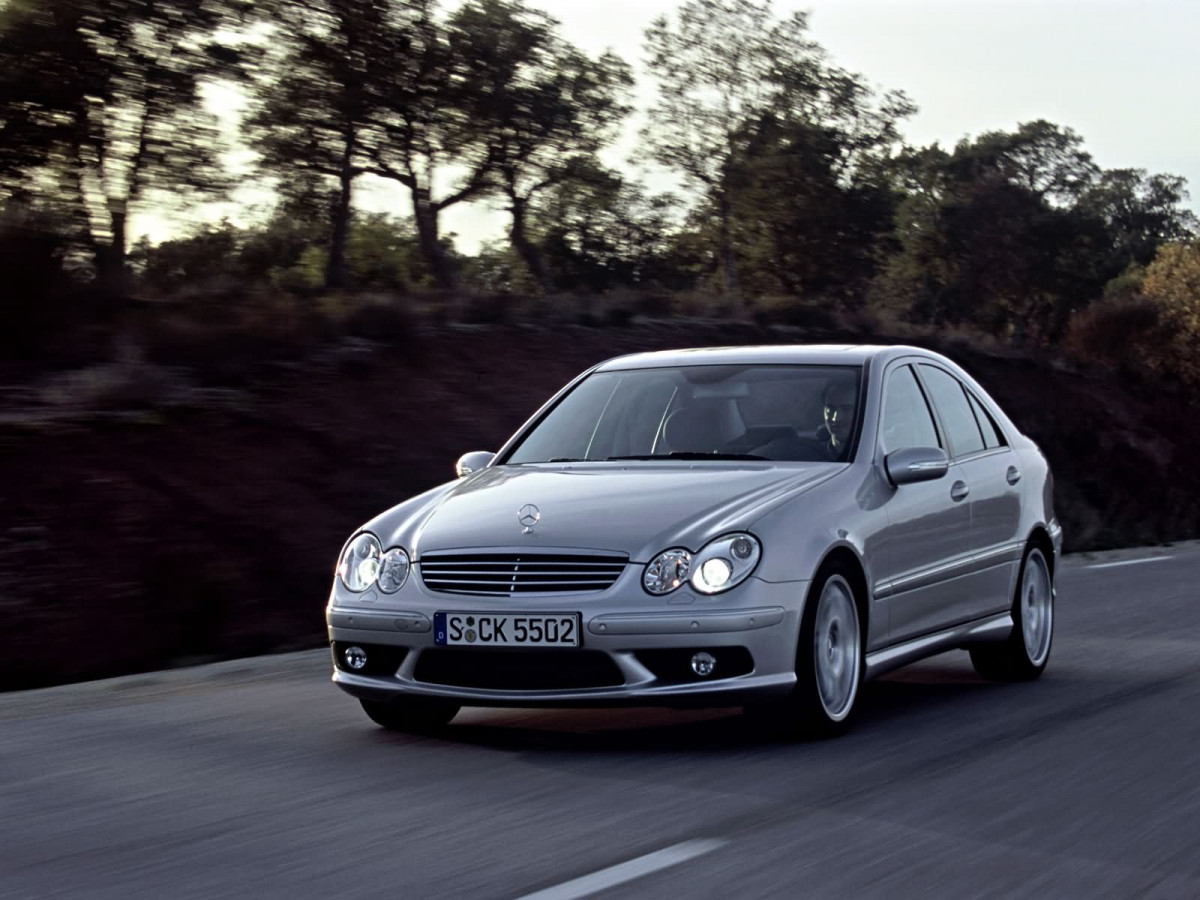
[410, 714]
[829, 661]
[1024, 655]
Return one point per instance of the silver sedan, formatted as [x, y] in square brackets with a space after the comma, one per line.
[765, 527]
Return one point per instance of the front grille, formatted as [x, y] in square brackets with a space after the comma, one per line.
[517, 670]
[505, 574]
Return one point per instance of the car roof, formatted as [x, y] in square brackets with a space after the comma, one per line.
[778, 354]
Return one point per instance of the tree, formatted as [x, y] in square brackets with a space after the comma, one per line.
[725, 69]
[498, 270]
[1140, 212]
[599, 231]
[994, 234]
[811, 224]
[101, 102]
[316, 101]
[421, 125]
[383, 253]
[542, 107]
[1016, 231]
[374, 87]
[1040, 157]
[175, 264]
[294, 228]
[1173, 283]
[32, 311]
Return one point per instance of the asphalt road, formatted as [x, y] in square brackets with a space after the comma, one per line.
[261, 779]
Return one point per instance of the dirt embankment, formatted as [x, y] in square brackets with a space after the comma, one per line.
[208, 528]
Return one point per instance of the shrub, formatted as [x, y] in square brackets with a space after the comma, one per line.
[782, 310]
[1126, 286]
[1173, 283]
[380, 320]
[31, 258]
[487, 308]
[1125, 335]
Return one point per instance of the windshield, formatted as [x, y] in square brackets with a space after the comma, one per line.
[784, 413]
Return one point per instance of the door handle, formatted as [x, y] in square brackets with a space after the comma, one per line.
[959, 491]
[1013, 475]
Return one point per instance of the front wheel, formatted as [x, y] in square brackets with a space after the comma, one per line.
[829, 661]
[410, 714]
[1024, 655]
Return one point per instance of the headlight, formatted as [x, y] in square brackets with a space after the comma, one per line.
[667, 571]
[722, 564]
[393, 571]
[359, 567]
[726, 562]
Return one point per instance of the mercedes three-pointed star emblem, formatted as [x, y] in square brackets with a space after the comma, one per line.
[529, 515]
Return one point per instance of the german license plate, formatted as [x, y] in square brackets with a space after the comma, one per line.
[468, 629]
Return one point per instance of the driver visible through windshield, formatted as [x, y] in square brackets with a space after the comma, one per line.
[797, 413]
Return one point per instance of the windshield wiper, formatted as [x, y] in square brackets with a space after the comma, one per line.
[568, 459]
[691, 454]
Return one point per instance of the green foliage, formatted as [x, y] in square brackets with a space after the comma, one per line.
[812, 223]
[305, 275]
[280, 243]
[498, 269]
[381, 254]
[1140, 212]
[421, 124]
[1126, 286]
[1124, 333]
[1148, 323]
[32, 250]
[542, 108]
[744, 100]
[1040, 158]
[100, 104]
[800, 199]
[384, 253]
[1013, 232]
[598, 232]
[176, 264]
[314, 105]
[1173, 283]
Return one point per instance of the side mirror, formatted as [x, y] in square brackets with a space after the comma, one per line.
[916, 464]
[473, 462]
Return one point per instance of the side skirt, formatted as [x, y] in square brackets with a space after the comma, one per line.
[993, 628]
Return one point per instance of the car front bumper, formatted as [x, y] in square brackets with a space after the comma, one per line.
[756, 624]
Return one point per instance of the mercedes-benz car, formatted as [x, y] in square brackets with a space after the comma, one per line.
[760, 527]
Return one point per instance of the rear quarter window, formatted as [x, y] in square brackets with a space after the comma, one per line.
[950, 398]
[992, 436]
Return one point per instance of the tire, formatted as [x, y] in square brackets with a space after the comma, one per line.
[1023, 656]
[829, 662]
[414, 715]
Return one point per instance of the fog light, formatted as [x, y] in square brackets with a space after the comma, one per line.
[356, 658]
[703, 664]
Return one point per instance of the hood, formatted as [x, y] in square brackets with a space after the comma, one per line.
[637, 509]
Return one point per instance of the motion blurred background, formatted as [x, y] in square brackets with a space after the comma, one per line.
[234, 322]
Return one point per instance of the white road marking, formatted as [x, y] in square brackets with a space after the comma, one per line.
[1131, 562]
[627, 871]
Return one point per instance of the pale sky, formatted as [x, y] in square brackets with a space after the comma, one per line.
[1123, 74]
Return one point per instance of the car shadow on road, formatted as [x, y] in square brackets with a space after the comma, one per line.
[916, 695]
